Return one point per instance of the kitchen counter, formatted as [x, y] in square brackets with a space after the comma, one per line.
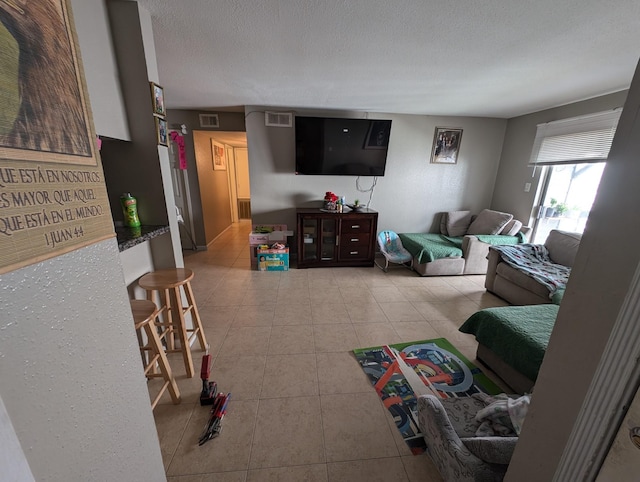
[130, 237]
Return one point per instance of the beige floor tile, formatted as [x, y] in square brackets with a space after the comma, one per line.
[288, 433]
[360, 312]
[329, 313]
[293, 296]
[239, 375]
[415, 330]
[228, 452]
[291, 339]
[355, 427]
[246, 340]
[189, 388]
[356, 294]
[400, 311]
[255, 315]
[341, 373]
[185, 478]
[455, 337]
[292, 314]
[434, 310]
[170, 423]
[216, 315]
[373, 470]
[290, 376]
[239, 476]
[418, 293]
[260, 297]
[420, 468]
[375, 334]
[334, 338]
[329, 294]
[306, 473]
[225, 298]
[388, 293]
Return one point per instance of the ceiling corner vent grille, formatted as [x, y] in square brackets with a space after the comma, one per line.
[278, 119]
[209, 120]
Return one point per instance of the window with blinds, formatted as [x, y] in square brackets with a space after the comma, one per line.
[576, 140]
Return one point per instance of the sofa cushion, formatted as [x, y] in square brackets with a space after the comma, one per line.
[520, 279]
[489, 222]
[458, 222]
[563, 246]
[511, 228]
[495, 450]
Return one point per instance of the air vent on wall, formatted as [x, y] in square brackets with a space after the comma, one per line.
[209, 120]
[278, 119]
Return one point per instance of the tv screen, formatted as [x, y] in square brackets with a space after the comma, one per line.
[341, 147]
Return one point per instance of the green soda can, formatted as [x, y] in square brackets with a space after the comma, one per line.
[130, 210]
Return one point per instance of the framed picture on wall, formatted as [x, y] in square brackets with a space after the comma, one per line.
[161, 131]
[446, 145]
[157, 97]
[219, 161]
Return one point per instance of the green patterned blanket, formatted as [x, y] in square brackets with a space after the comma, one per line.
[519, 335]
[427, 247]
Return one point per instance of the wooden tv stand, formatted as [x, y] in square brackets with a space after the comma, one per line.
[328, 239]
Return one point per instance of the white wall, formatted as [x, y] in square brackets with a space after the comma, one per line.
[72, 379]
[101, 71]
[410, 194]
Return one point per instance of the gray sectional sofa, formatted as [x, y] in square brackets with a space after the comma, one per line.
[462, 246]
[519, 288]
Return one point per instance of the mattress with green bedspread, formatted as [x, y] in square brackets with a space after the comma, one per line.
[427, 247]
[518, 335]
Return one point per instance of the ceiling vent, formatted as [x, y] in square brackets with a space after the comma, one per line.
[209, 120]
[278, 119]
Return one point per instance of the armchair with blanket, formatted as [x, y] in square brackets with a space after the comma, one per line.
[533, 274]
[463, 243]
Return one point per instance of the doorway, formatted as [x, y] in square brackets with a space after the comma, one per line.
[222, 177]
[567, 196]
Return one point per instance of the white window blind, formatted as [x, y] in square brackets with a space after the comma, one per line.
[576, 140]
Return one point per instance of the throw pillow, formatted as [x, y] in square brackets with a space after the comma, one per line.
[443, 224]
[511, 228]
[458, 222]
[489, 222]
[494, 450]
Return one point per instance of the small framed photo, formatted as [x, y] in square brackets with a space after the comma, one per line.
[157, 97]
[161, 131]
[219, 161]
[446, 145]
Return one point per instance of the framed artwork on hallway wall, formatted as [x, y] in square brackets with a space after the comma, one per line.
[161, 131]
[157, 97]
[219, 161]
[446, 145]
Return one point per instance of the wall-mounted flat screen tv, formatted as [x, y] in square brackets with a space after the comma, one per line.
[341, 147]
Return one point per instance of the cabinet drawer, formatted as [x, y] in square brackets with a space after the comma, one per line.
[354, 252]
[356, 225]
[354, 239]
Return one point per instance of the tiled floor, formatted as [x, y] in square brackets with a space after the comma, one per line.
[301, 407]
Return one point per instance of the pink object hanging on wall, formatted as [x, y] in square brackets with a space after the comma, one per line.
[182, 155]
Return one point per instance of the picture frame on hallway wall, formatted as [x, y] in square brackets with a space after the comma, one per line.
[157, 97]
[218, 158]
[446, 145]
[161, 131]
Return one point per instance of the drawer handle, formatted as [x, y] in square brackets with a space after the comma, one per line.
[355, 239]
[353, 252]
[355, 226]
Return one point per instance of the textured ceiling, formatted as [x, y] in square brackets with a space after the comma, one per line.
[496, 58]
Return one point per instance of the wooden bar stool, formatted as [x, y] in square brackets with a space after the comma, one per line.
[145, 314]
[164, 283]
